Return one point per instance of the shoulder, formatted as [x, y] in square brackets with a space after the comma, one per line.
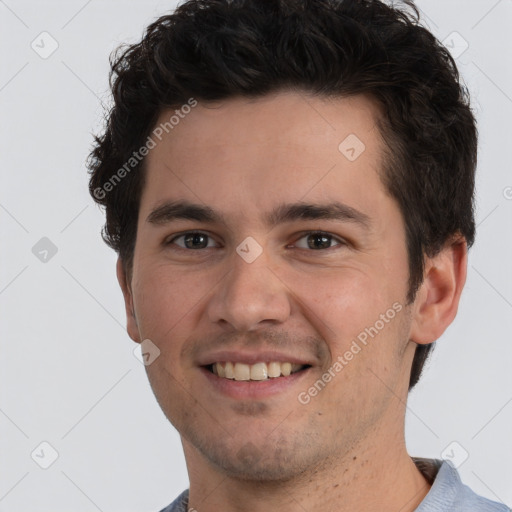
[180, 504]
[449, 494]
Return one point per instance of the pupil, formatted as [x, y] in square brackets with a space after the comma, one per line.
[196, 240]
[323, 241]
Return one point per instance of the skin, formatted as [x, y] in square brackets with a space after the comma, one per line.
[345, 449]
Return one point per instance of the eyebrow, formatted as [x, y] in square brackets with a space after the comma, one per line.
[289, 212]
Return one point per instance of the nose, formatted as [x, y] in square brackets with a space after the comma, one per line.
[250, 295]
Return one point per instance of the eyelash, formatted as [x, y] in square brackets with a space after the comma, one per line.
[332, 237]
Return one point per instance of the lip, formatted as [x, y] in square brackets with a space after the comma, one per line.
[260, 389]
[251, 358]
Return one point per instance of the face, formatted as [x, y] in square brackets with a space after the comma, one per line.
[265, 237]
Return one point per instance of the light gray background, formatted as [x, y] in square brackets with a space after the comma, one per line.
[68, 373]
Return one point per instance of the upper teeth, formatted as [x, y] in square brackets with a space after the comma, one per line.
[258, 371]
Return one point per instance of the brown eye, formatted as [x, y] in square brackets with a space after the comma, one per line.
[192, 240]
[318, 240]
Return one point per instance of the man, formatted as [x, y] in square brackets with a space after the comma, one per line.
[289, 186]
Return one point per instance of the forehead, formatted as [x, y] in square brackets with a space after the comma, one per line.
[287, 146]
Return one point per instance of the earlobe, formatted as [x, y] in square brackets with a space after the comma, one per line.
[131, 320]
[438, 298]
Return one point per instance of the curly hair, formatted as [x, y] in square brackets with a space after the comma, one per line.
[217, 49]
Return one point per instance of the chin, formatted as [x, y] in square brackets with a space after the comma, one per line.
[278, 461]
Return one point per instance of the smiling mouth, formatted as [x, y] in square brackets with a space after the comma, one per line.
[256, 372]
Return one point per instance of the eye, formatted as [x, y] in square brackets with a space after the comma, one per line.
[317, 240]
[192, 240]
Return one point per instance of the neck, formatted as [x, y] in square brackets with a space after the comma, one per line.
[376, 475]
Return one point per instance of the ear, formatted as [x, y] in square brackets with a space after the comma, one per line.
[437, 300]
[131, 320]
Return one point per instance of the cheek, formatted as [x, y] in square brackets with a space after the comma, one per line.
[347, 302]
[165, 301]
[166, 305]
[360, 315]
